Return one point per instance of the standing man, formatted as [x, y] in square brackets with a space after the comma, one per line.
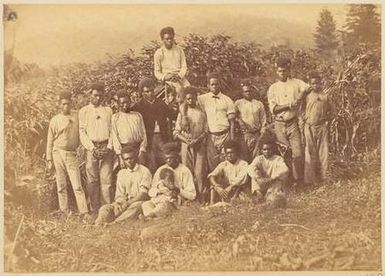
[220, 114]
[182, 175]
[96, 138]
[251, 118]
[132, 187]
[317, 114]
[170, 63]
[155, 115]
[128, 128]
[62, 142]
[193, 141]
[285, 98]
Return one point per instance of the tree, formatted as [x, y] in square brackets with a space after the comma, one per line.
[362, 25]
[325, 36]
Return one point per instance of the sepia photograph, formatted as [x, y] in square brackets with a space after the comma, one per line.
[211, 137]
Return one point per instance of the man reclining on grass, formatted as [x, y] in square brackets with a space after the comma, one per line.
[132, 187]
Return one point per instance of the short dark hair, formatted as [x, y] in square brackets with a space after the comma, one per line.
[98, 86]
[231, 144]
[122, 93]
[170, 148]
[164, 172]
[167, 30]
[267, 138]
[146, 82]
[190, 90]
[129, 149]
[314, 75]
[283, 62]
[212, 75]
[65, 95]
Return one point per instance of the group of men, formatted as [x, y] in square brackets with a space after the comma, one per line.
[217, 148]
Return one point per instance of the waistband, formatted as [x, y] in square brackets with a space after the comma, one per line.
[219, 133]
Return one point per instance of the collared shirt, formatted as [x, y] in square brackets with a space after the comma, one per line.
[281, 93]
[251, 112]
[95, 125]
[183, 180]
[63, 133]
[197, 123]
[218, 108]
[317, 108]
[262, 167]
[128, 128]
[235, 174]
[169, 61]
[130, 183]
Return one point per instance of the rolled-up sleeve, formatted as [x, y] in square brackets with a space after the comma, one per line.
[253, 169]
[183, 65]
[84, 139]
[188, 188]
[271, 99]
[145, 184]
[158, 65]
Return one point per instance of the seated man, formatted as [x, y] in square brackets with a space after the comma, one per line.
[183, 176]
[230, 176]
[163, 196]
[132, 187]
[268, 173]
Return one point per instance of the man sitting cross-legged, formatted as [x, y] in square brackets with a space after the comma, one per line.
[268, 174]
[230, 176]
[132, 187]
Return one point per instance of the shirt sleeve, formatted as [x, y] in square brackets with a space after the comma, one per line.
[115, 140]
[120, 194]
[254, 169]
[178, 126]
[188, 188]
[271, 99]
[109, 116]
[50, 138]
[281, 168]
[84, 139]
[262, 115]
[230, 108]
[241, 177]
[303, 86]
[218, 171]
[183, 69]
[143, 144]
[145, 184]
[158, 65]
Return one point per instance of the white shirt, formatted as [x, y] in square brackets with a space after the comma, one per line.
[169, 61]
[282, 93]
[262, 167]
[183, 180]
[130, 183]
[235, 174]
[251, 112]
[218, 108]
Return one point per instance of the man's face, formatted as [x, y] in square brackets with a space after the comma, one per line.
[315, 84]
[130, 159]
[168, 40]
[172, 160]
[267, 150]
[191, 100]
[246, 91]
[124, 104]
[283, 73]
[148, 93]
[231, 155]
[96, 97]
[214, 86]
[65, 106]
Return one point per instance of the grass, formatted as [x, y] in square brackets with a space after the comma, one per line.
[336, 226]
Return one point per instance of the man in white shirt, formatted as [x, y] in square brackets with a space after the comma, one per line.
[183, 176]
[132, 186]
[251, 118]
[220, 114]
[230, 176]
[285, 98]
[95, 136]
[128, 128]
[170, 62]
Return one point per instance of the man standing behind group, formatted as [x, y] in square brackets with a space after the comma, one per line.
[285, 98]
[128, 128]
[170, 63]
[62, 142]
[220, 114]
[95, 136]
[155, 115]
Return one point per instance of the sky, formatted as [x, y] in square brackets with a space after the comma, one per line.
[59, 34]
